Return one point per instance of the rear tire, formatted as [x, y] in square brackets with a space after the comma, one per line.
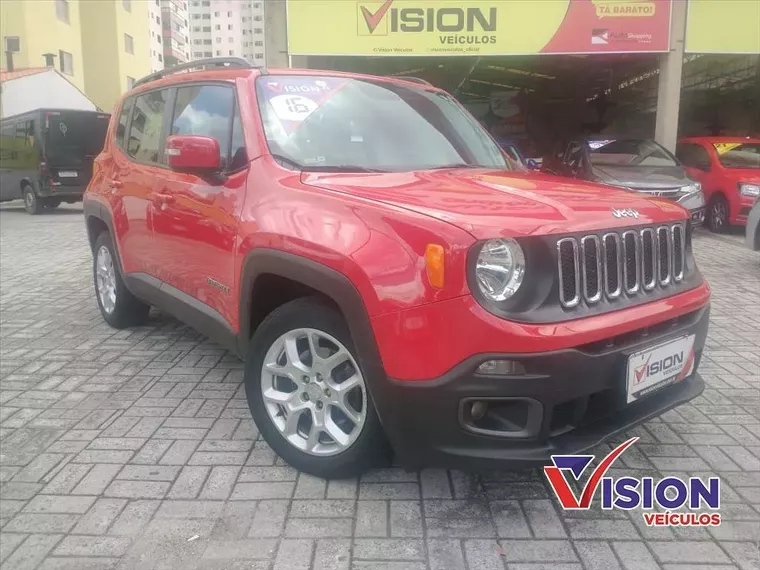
[31, 202]
[717, 215]
[334, 403]
[119, 307]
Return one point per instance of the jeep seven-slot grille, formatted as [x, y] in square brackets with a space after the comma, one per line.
[593, 267]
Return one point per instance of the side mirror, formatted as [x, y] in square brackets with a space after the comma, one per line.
[532, 164]
[192, 153]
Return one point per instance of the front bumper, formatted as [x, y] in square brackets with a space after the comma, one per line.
[566, 402]
[63, 192]
[695, 203]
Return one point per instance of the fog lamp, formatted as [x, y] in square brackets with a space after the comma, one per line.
[500, 368]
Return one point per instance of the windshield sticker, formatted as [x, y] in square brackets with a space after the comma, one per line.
[293, 107]
[63, 128]
[293, 99]
[723, 148]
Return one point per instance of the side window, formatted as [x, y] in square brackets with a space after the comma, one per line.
[238, 154]
[144, 140]
[693, 155]
[205, 110]
[121, 128]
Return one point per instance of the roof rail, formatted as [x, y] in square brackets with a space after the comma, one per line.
[413, 79]
[198, 64]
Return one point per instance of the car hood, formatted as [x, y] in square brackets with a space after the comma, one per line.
[491, 203]
[643, 177]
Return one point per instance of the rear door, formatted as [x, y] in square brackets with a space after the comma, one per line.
[134, 169]
[72, 140]
[196, 218]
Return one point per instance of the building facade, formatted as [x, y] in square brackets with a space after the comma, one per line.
[155, 46]
[216, 28]
[227, 28]
[175, 21]
[254, 32]
[39, 28]
[115, 40]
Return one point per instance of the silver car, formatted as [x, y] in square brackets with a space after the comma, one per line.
[639, 165]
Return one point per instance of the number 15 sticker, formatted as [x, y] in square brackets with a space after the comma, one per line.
[293, 107]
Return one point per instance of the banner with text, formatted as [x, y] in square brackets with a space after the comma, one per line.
[476, 27]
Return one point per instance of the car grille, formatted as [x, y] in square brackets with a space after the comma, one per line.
[669, 193]
[613, 264]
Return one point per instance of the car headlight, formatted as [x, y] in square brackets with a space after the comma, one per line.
[749, 189]
[500, 269]
[693, 187]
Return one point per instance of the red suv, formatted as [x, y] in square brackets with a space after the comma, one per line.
[388, 275]
[729, 170]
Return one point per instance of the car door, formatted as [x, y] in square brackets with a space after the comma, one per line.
[195, 218]
[133, 169]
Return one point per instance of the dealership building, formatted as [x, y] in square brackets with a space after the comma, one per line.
[551, 68]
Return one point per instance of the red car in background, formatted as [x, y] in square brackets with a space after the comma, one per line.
[729, 170]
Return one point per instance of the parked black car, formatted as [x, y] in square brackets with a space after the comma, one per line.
[636, 164]
[46, 155]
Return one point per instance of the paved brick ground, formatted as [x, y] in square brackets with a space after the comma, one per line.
[135, 449]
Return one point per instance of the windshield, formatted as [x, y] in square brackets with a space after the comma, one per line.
[337, 123]
[74, 137]
[629, 152]
[739, 155]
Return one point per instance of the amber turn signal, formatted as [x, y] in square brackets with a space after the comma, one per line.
[434, 264]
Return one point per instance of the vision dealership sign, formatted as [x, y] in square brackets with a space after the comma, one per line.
[476, 27]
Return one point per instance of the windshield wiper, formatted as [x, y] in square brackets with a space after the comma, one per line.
[456, 165]
[286, 161]
[339, 168]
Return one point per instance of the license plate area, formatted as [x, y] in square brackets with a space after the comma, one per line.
[659, 366]
[67, 174]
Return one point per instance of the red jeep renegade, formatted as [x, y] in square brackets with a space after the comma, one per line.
[388, 275]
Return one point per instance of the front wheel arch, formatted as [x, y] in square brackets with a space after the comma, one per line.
[327, 283]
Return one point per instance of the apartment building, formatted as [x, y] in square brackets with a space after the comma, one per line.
[254, 32]
[224, 28]
[30, 30]
[115, 40]
[101, 46]
[175, 19]
[156, 47]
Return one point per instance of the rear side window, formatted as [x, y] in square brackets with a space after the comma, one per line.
[205, 110]
[121, 128]
[144, 141]
[693, 155]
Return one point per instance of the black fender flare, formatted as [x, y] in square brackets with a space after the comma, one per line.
[94, 209]
[327, 281]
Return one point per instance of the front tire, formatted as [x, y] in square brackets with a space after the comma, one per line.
[308, 395]
[717, 215]
[31, 202]
[118, 306]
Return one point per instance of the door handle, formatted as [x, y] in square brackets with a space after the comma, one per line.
[165, 198]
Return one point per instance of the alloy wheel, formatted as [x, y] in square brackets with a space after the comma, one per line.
[106, 280]
[718, 214]
[314, 392]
